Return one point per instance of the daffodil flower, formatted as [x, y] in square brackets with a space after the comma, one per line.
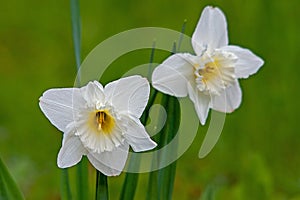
[99, 122]
[210, 76]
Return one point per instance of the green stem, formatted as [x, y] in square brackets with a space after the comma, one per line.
[101, 187]
[161, 182]
[130, 184]
[82, 179]
[82, 171]
[76, 30]
[166, 176]
[65, 185]
[153, 190]
[131, 179]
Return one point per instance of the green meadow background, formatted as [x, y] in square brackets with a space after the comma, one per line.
[258, 153]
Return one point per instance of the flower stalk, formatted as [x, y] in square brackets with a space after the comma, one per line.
[65, 185]
[101, 186]
[131, 179]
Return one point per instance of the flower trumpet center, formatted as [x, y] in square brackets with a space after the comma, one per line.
[99, 129]
[209, 71]
[215, 72]
[104, 121]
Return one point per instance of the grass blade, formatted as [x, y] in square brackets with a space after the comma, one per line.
[101, 187]
[8, 187]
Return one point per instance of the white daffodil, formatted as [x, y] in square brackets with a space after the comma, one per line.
[99, 122]
[210, 76]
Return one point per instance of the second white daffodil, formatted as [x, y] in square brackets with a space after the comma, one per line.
[210, 76]
[99, 122]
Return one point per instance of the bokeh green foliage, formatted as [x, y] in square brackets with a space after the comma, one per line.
[257, 156]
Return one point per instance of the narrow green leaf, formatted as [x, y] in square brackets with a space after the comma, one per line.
[101, 187]
[76, 30]
[8, 187]
[131, 179]
[152, 186]
[181, 35]
[3, 192]
[152, 191]
[82, 179]
[65, 185]
[166, 176]
[145, 116]
[82, 171]
[161, 182]
[151, 60]
[130, 183]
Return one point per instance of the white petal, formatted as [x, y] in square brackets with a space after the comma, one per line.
[110, 163]
[137, 136]
[129, 94]
[59, 104]
[172, 76]
[247, 64]
[211, 31]
[229, 100]
[71, 151]
[93, 93]
[201, 102]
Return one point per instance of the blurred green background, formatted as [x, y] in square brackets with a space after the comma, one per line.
[257, 156]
